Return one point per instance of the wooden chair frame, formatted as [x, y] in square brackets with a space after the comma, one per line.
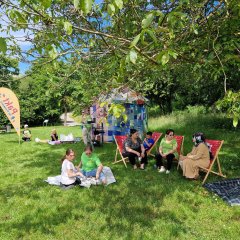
[155, 144]
[209, 169]
[119, 150]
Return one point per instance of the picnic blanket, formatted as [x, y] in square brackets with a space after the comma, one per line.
[228, 190]
[85, 182]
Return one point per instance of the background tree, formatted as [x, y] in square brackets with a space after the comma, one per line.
[177, 52]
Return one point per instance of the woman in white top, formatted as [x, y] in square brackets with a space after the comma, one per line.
[69, 172]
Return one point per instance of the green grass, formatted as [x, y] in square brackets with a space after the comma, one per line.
[141, 205]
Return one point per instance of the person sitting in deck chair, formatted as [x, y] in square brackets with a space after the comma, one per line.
[148, 141]
[133, 148]
[198, 157]
[167, 150]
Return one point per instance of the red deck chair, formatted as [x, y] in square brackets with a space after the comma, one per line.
[215, 146]
[119, 142]
[180, 141]
[156, 136]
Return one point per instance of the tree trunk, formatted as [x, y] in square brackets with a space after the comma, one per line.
[65, 116]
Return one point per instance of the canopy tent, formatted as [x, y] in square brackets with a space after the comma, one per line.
[135, 108]
[123, 95]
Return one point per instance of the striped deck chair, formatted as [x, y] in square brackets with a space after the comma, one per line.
[119, 142]
[215, 146]
[156, 136]
[180, 141]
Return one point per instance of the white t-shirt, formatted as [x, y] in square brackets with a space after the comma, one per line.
[67, 165]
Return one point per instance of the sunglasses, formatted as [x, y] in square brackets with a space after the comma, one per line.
[72, 155]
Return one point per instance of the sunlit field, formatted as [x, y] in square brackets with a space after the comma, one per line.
[140, 205]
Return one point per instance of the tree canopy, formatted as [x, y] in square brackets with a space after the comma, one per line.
[178, 52]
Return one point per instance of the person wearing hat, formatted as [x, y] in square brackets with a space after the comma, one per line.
[133, 149]
[198, 157]
[26, 134]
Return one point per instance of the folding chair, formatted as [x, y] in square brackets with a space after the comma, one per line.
[119, 142]
[215, 146]
[156, 136]
[180, 141]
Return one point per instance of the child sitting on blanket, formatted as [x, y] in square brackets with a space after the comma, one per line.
[91, 165]
[69, 174]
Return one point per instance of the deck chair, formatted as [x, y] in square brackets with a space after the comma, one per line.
[156, 136]
[215, 146]
[119, 142]
[180, 141]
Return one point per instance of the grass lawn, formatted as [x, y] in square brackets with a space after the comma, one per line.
[141, 205]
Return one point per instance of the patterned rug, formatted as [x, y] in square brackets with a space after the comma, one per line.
[228, 190]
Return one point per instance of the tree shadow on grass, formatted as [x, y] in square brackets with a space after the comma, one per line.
[135, 204]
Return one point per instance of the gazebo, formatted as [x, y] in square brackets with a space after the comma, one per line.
[135, 108]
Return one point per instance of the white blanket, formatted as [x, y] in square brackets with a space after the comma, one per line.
[86, 182]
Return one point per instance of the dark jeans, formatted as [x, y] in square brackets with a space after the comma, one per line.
[159, 160]
[26, 139]
[77, 182]
[132, 157]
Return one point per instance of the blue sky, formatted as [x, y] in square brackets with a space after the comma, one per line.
[20, 40]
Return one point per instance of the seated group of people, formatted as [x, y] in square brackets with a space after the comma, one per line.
[89, 166]
[136, 150]
[27, 136]
[133, 148]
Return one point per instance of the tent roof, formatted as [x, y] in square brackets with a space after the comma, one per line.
[125, 95]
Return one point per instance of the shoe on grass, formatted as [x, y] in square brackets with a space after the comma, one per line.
[162, 169]
[167, 172]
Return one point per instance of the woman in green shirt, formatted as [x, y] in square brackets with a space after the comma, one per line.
[167, 150]
[91, 165]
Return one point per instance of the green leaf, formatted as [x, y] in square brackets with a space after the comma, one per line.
[3, 45]
[86, 5]
[165, 58]
[68, 28]
[235, 121]
[20, 17]
[135, 41]
[119, 4]
[46, 3]
[195, 31]
[147, 21]
[76, 3]
[111, 9]
[151, 34]
[53, 52]
[133, 56]
[173, 54]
